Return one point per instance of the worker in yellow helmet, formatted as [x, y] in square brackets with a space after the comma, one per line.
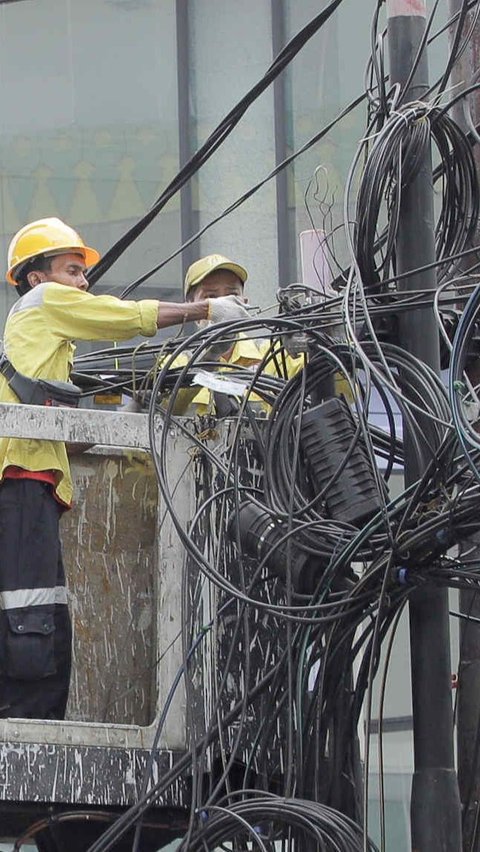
[47, 263]
[216, 277]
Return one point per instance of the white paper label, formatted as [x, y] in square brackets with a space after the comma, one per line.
[220, 383]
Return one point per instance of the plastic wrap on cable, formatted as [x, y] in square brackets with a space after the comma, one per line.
[292, 299]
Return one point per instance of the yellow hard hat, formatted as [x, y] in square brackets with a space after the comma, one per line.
[42, 237]
[199, 270]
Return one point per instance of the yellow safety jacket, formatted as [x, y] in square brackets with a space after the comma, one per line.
[245, 353]
[38, 341]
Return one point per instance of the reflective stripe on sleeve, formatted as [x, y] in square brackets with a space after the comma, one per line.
[33, 299]
[32, 597]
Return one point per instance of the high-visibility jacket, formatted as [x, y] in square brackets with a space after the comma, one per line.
[38, 341]
[246, 352]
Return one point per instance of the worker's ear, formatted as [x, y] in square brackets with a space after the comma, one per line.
[36, 277]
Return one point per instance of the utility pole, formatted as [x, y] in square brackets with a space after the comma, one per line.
[435, 801]
[468, 698]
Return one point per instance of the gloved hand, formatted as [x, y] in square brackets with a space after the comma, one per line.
[226, 308]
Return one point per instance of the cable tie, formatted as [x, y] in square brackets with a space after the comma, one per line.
[402, 576]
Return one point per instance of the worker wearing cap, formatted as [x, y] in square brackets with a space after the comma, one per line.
[214, 274]
[47, 263]
[215, 277]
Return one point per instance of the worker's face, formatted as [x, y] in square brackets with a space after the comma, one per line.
[68, 269]
[221, 282]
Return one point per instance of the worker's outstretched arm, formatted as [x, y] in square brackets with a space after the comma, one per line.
[222, 309]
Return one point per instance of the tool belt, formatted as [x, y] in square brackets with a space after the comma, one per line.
[39, 391]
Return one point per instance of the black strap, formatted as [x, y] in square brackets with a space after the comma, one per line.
[7, 368]
[39, 391]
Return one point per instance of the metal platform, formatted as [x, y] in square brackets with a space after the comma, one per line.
[137, 600]
[124, 594]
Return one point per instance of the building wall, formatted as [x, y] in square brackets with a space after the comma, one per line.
[102, 101]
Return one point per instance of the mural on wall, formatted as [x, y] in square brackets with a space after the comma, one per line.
[108, 175]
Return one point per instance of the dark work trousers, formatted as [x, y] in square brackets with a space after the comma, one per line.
[35, 628]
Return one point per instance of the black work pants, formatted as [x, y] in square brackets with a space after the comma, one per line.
[35, 628]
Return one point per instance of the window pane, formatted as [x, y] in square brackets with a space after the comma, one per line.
[89, 125]
[230, 50]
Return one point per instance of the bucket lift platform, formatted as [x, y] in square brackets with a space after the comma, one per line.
[124, 584]
[126, 569]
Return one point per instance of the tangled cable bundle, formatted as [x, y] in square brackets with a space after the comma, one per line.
[261, 820]
[396, 154]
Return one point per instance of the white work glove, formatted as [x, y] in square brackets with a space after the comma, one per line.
[226, 309]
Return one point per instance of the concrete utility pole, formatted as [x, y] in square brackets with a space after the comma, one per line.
[468, 699]
[435, 803]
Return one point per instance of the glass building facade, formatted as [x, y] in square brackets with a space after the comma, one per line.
[103, 101]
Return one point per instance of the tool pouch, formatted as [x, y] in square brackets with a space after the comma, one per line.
[40, 391]
[30, 644]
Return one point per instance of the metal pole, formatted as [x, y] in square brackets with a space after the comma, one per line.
[468, 700]
[435, 802]
[188, 216]
[285, 246]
